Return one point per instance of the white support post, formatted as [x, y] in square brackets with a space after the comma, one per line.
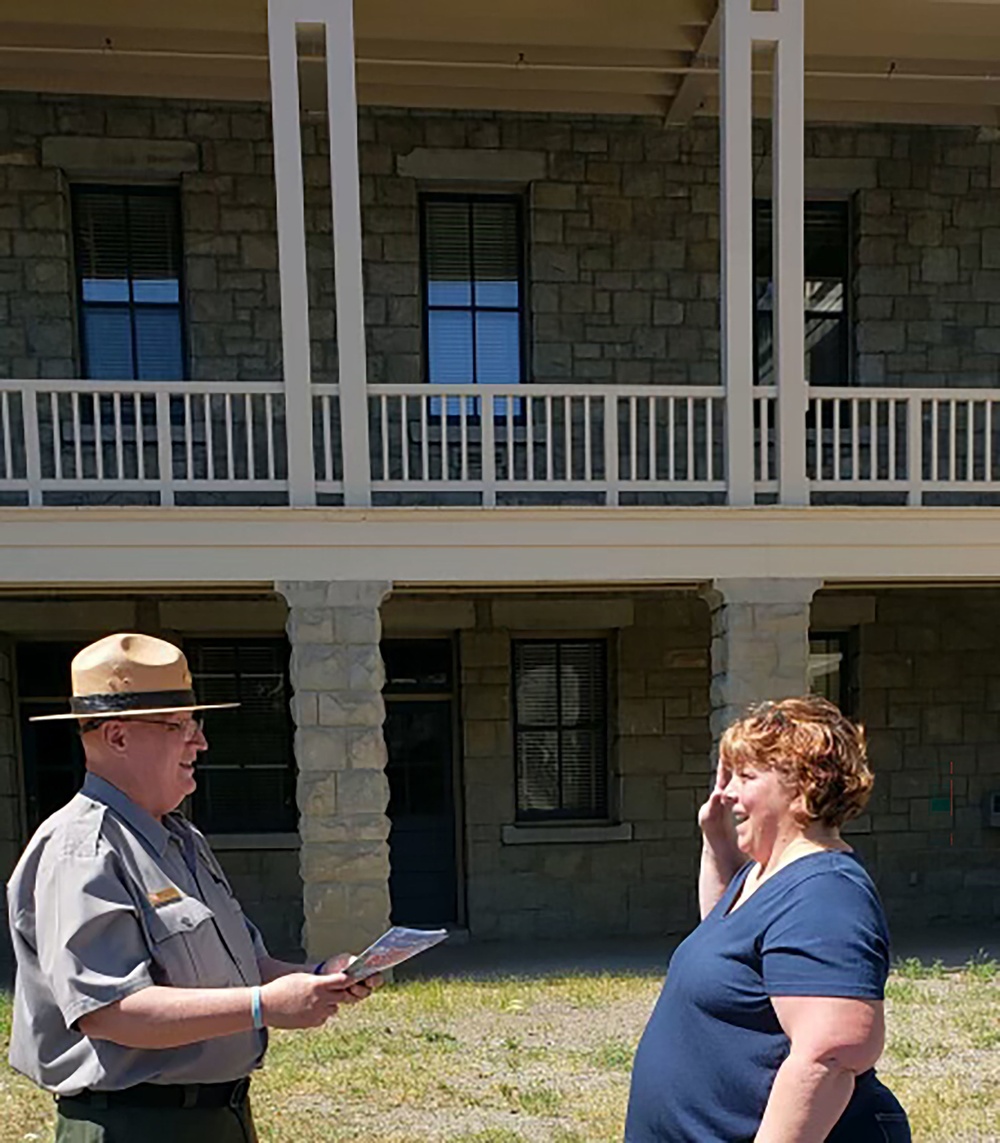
[345, 184]
[789, 251]
[737, 247]
[282, 19]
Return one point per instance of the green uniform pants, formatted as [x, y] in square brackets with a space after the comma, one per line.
[81, 1123]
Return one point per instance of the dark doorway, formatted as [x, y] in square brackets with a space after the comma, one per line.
[51, 751]
[420, 736]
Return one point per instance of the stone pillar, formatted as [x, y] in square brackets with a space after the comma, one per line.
[337, 676]
[760, 643]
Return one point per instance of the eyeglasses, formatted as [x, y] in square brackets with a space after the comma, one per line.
[190, 727]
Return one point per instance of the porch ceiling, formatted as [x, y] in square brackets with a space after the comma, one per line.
[893, 60]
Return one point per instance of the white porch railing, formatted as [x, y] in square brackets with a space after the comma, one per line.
[229, 443]
[498, 440]
[163, 439]
[910, 441]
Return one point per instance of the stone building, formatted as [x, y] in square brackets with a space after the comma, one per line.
[460, 430]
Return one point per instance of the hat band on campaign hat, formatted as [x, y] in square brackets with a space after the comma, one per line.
[132, 700]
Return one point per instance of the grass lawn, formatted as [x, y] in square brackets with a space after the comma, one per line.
[522, 1061]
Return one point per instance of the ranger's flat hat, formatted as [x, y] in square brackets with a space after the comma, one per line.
[125, 675]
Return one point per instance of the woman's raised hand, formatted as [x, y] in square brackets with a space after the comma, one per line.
[714, 817]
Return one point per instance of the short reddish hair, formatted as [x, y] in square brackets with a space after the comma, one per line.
[816, 748]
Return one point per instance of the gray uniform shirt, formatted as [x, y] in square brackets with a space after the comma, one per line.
[105, 901]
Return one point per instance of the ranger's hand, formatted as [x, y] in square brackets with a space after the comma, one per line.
[303, 999]
[360, 990]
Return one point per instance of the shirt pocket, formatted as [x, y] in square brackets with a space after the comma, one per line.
[177, 932]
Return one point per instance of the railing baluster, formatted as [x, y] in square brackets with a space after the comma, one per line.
[611, 452]
[915, 446]
[404, 413]
[269, 436]
[327, 430]
[251, 449]
[164, 449]
[891, 469]
[189, 436]
[8, 459]
[709, 441]
[95, 403]
[568, 435]
[690, 440]
[227, 409]
[549, 442]
[463, 427]
[56, 435]
[970, 439]
[953, 440]
[531, 440]
[425, 463]
[77, 436]
[651, 443]
[588, 444]
[633, 441]
[140, 435]
[32, 448]
[671, 451]
[116, 399]
[509, 406]
[988, 457]
[443, 419]
[383, 404]
[488, 446]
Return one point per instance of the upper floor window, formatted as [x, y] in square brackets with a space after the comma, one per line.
[473, 289]
[827, 289]
[561, 729]
[128, 264]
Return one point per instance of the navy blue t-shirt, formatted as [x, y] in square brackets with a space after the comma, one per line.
[708, 1057]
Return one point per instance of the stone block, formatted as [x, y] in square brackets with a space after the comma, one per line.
[362, 792]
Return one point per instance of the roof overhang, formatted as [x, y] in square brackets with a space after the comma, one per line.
[924, 61]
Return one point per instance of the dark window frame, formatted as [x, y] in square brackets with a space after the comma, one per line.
[603, 812]
[200, 813]
[128, 191]
[847, 317]
[847, 643]
[469, 199]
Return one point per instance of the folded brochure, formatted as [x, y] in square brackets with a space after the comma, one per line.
[392, 948]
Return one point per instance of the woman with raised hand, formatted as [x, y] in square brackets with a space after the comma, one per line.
[771, 1019]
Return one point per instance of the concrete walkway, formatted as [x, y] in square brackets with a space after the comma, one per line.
[486, 959]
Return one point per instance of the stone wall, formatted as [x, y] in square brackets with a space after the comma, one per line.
[660, 760]
[622, 227]
[930, 698]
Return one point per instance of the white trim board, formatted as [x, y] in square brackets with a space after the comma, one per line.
[439, 546]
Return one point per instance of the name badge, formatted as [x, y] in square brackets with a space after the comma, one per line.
[163, 896]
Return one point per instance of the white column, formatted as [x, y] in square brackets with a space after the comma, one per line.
[737, 246]
[345, 185]
[742, 27]
[789, 251]
[284, 60]
[337, 19]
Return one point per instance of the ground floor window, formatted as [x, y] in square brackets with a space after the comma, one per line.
[832, 668]
[561, 729]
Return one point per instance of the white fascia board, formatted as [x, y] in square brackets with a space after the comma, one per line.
[436, 546]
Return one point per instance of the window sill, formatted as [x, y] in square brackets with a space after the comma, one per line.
[224, 841]
[564, 834]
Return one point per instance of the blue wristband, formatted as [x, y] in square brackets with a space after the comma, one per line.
[318, 970]
[255, 1007]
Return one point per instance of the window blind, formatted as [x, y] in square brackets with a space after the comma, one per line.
[561, 732]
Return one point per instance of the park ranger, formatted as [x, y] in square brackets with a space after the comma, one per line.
[143, 993]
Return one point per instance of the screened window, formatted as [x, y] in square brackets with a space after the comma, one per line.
[827, 313]
[831, 668]
[561, 729]
[246, 779]
[128, 264]
[473, 285]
